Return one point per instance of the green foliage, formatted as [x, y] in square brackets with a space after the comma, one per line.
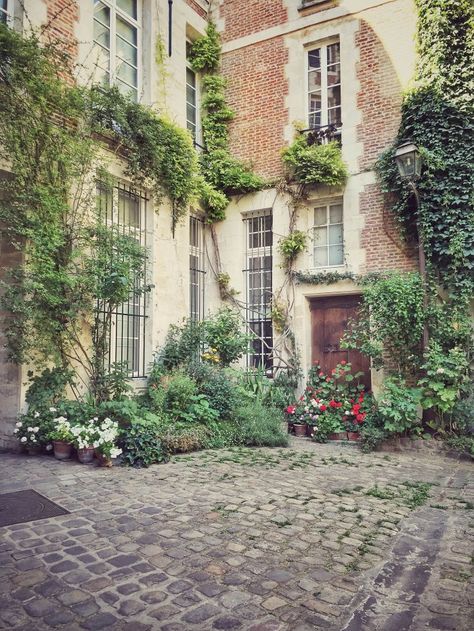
[292, 245]
[180, 388]
[444, 376]
[206, 51]
[222, 174]
[462, 444]
[216, 385]
[47, 388]
[398, 406]
[141, 445]
[259, 426]
[223, 332]
[371, 436]
[390, 321]
[315, 164]
[438, 115]
[159, 152]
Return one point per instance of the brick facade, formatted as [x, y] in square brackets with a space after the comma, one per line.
[245, 17]
[378, 100]
[200, 10]
[257, 89]
[62, 17]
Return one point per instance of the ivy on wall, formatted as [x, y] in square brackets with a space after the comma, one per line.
[222, 174]
[438, 115]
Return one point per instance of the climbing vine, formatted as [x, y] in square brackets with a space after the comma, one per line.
[438, 115]
[75, 270]
[222, 174]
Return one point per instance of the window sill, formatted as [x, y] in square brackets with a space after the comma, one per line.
[312, 4]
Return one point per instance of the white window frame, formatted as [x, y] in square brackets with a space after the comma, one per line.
[199, 252]
[115, 12]
[198, 133]
[327, 203]
[323, 47]
[8, 12]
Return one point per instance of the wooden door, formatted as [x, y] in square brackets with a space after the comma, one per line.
[329, 318]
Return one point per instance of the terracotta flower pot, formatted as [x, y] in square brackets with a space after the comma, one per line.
[104, 461]
[62, 450]
[300, 429]
[338, 436]
[353, 435]
[85, 455]
[33, 450]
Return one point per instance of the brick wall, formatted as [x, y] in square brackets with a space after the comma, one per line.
[256, 91]
[378, 100]
[200, 10]
[62, 16]
[244, 17]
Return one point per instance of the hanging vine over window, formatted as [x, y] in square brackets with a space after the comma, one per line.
[222, 174]
[314, 164]
[438, 115]
[71, 261]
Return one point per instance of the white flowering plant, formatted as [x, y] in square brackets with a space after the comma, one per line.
[105, 438]
[62, 430]
[85, 435]
[34, 427]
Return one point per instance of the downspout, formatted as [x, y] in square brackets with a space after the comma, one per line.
[170, 27]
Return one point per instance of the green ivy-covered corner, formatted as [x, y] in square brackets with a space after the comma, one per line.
[438, 115]
[222, 175]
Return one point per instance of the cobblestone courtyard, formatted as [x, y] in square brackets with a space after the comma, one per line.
[311, 537]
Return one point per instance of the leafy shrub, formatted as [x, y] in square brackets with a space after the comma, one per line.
[258, 426]
[315, 164]
[462, 444]
[141, 445]
[180, 388]
[223, 332]
[182, 345]
[462, 414]
[47, 388]
[181, 438]
[291, 245]
[216, 386]
[398, 406]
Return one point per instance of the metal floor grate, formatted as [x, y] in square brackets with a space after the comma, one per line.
[23, 506]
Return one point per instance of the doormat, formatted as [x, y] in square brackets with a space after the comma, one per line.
[22, 506]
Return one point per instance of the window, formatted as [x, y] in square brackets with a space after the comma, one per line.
[6, 11]
[258, 276]
[328, 235]
[197, 268]
[116, 42]
[126, 210]
[324, 86]
[192, 100]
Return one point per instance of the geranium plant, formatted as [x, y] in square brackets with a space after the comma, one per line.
[62, 430]
[330, 403]
[85, 435]
[105, 438]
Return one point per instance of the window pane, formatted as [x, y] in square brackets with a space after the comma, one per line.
[333, 53]
[315, 119]
[320, 257]
[101, 76]
[334, 96]
[314, 58]
[314, 80]
[335, 214]
[336, 255]
[320, 216]
[334, 116]
[190, 95]
[335, 234]
[129, 210]
[128, 6]
[101, 34]
[126, 31]
[191, 114]
[320, 236]
[126, 51]
[102, 13]
[315, 102]
[190, 77]
[334, 74]
[126, 73]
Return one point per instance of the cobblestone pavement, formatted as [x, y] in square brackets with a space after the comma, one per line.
[311, 537]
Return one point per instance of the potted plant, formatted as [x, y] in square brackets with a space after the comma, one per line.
[290, 415]
[84, 436]
[28, 435]
[62, 438]
[104, 443]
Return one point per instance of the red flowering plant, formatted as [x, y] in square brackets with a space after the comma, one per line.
[332, 402]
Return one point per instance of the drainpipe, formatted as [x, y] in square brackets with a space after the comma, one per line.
[170, 27]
